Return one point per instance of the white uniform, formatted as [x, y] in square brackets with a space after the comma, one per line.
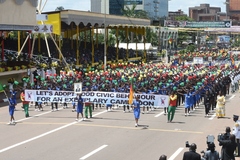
[236, 129]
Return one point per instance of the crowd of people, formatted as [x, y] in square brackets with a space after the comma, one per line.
[187, 85]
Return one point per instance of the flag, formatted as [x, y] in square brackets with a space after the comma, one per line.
[1, 88]
[232, 59]
[131, 94]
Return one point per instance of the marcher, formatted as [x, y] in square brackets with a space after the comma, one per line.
[11, 109]
[25, 103]
[207, 101]
[88, 108]
[136, 110]
[172, 106]
[192, 154]
[220, 108]
[80, 107]
[236, 132]
[229, 146]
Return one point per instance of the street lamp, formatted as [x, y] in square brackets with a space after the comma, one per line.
[105, 38]
[226, 3]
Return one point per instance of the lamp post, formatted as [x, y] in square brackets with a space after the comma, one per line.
[226, 3]
[105, 38]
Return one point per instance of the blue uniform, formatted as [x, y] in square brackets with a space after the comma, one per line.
[80, 105]
[187, 100]
[11, 106]
[14, 96]
[136, 110]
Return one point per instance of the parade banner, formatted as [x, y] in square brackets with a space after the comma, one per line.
[196, 24]
[158, 101]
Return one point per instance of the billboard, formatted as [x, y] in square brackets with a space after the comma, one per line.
[223, 39]
[188, 24]
[131, 2]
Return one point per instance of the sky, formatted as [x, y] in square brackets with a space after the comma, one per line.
[174, 5]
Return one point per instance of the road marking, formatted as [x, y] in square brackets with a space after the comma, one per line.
[41, 135]
[211, 118]
[176, 154]
[36, 115]
[232, 97]
[159, 114]
[93, 152]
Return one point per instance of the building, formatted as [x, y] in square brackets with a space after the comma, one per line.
[233, 10]
[100, 6]
[156, 9]
[116, 7]
[173, 14]
[204, 13]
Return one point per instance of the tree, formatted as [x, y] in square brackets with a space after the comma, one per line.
[182, 36]
[59, 8]
[183, 18]
[133, 13]
[151, 37]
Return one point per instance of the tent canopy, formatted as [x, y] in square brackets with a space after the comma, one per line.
[140, 46]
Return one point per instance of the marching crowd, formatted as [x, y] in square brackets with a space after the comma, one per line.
[185, 84]
[188, 85]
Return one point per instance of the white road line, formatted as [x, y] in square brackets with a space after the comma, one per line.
[211, 118]
[159, 114]
[232, 97]
[36, 115]
[176, 154]
[42, 135]
[93, 152]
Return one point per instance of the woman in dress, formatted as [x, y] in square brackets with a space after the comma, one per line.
[220, 108]
[136, 110]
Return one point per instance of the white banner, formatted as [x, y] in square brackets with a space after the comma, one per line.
[198, 60]
[158, 101]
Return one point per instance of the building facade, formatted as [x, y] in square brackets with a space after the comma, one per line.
[233, 10]
[100, 6]
[204, 13]
[116, 7]
[18, 14]
[173, 14]
[156, 9]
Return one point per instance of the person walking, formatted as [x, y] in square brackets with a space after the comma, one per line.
[79, 107]
[136, 109]
[88, 108]
[25, 103]
[172, 106]
[207, 102]
[11, 109]
[220, 108]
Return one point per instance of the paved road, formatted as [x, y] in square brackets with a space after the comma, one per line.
[108, 135]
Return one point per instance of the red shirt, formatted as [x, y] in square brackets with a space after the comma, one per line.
[173, 101]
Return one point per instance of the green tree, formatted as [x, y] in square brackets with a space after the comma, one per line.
[183, 18]
[59, 8]
[151, 37]
[182, 36]
[130, 11]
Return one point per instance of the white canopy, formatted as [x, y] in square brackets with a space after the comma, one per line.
[140, 46]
